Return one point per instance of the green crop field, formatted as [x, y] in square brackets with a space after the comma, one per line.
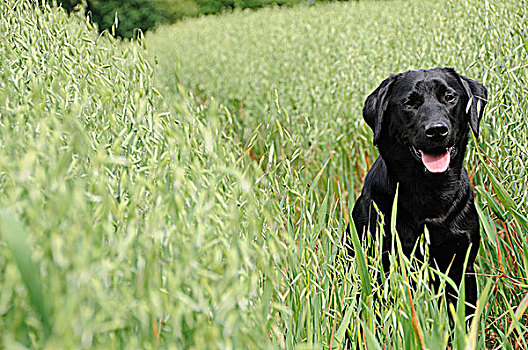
[193, 189]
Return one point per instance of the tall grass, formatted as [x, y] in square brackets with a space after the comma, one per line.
[129, 220]
[136, 214]
[299, 77]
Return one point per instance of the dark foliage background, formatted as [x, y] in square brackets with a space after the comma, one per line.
[146, 14]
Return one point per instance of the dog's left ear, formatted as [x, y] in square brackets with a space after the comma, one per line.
[478, 98]
[478, 95]
[375, 107]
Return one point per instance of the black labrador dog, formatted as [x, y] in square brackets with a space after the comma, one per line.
[421, 123]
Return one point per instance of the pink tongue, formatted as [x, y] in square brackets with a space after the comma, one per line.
[436, 163]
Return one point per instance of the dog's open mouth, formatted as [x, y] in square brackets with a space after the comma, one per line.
[436, 161]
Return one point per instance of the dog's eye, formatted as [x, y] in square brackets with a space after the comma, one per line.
[449, 97]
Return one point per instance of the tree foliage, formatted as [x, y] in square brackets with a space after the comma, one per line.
[146, 14]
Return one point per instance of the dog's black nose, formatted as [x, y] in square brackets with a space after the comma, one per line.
[436, 130]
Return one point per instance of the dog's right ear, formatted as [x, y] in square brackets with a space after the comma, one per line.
[478, 95]
[376, 105]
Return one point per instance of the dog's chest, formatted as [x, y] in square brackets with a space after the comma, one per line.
[428, 203]
[442, 213]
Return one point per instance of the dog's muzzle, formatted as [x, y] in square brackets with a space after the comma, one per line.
[437, 162]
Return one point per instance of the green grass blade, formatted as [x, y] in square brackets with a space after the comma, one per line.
[16, 237]
[473, 332]
[361, 260]
[341, 331]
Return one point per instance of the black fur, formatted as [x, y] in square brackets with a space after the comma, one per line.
[398, 112]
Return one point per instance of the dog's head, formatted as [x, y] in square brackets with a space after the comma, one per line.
[427, 113]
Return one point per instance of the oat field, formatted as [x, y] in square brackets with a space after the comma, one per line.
[191, 190]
